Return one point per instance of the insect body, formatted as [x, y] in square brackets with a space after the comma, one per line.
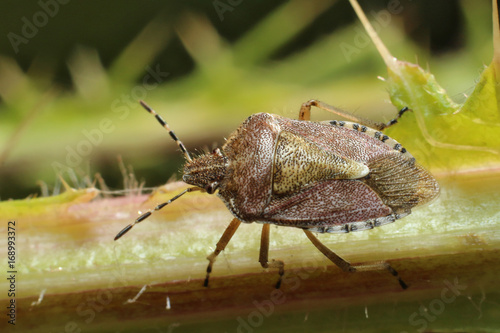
[332, 176]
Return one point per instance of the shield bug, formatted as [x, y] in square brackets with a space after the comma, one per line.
[322, 177]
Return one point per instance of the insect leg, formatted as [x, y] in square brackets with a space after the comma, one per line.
[395, 120]
[264, 252]
[382, 265]
[341, 263]
[221, 245]
[345, 266]
[305, 114]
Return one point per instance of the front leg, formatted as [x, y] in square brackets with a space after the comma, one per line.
[221, 245]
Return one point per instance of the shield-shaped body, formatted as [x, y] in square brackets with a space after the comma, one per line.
[319, 176]
[322, 176]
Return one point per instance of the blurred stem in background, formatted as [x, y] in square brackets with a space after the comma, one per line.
[190, 64]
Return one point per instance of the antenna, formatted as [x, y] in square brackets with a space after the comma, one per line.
[165, 125]
[186, 154]
[149, 212]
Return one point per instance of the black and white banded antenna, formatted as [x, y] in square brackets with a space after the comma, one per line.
[186, 154]
[165, 125]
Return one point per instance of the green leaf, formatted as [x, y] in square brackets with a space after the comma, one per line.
[440, 133]
[447, 136]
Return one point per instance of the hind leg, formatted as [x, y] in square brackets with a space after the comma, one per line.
[347, 267]
[305, 114]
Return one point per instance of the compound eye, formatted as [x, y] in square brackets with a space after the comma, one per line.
[212, 187]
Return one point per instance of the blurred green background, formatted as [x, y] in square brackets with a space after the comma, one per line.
[71, 73]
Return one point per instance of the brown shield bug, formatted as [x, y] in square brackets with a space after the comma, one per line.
[331, 176]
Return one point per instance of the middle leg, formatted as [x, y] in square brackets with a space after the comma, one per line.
[264, 255]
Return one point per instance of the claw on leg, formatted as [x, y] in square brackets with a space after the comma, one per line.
[221, 245]
[264, 255]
